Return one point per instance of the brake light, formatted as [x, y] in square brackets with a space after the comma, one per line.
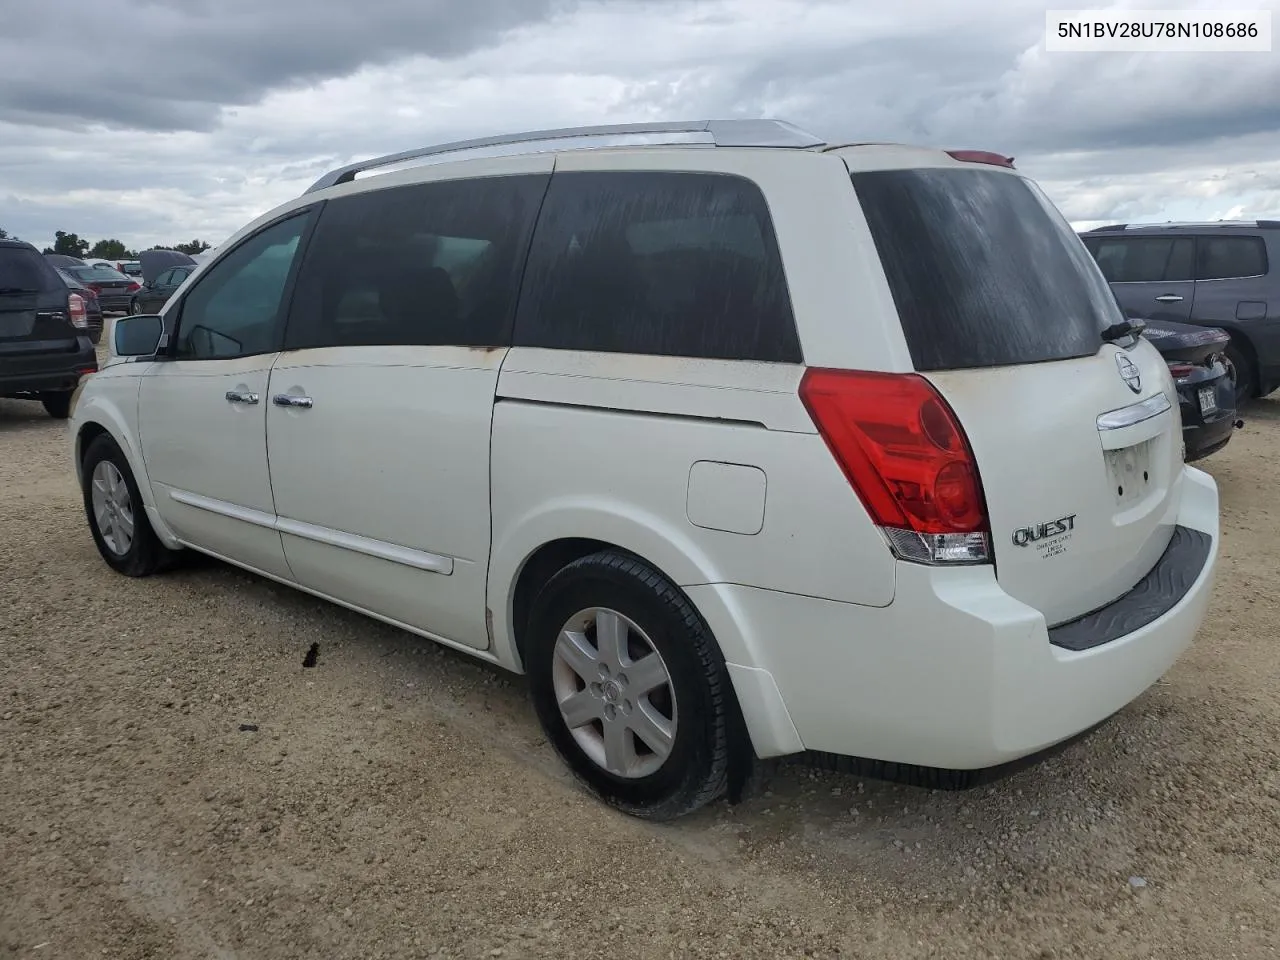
[981, 156]
[1179, 370]
[79, 313]
[908, 459]
[133, 287]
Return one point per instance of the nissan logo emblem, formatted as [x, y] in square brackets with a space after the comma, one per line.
[1129, 372]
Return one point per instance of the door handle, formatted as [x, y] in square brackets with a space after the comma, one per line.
[238, 396]
[289, 400]
[1169, 298]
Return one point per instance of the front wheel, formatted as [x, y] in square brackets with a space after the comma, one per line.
[116, 515]
[630, 686]
[134, 308]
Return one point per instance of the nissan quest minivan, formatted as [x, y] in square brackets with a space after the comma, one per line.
[739, 444]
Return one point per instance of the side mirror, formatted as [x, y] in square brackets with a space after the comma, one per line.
[136, 336]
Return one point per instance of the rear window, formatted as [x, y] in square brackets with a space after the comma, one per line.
[983, 269]
[1226, 258]
[95, 273]
[23, 270]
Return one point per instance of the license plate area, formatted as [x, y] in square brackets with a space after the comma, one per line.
[1130, 472]
[1208, 401]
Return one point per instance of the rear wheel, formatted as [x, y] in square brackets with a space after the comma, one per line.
[134, 308]
[630, 687]
[57, 405]
[1246, 382]
[116, 514]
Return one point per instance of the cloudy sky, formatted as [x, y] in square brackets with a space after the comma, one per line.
[156, 121]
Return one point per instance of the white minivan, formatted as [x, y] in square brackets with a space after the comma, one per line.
[739, 444]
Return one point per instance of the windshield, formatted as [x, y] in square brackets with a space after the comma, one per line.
[983, 269]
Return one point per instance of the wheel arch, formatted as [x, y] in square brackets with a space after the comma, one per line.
[97, 416]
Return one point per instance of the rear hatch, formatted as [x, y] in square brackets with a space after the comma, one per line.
[33, 306]
[1077, 440]
[1185, 343]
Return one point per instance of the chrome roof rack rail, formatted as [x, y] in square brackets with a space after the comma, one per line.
[712, 133]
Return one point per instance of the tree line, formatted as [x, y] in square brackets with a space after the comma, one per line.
[72, 245]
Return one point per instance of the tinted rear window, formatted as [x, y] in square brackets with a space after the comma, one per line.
[983, 269]
[102, 274]
[659, 263]
[24, 269]
[1223, 258]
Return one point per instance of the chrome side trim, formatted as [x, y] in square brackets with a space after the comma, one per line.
[1153, 406]
[418, 559]
[224, 509]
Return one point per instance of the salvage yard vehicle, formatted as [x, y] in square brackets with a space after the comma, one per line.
[1205, 380]
[739, 444]
[45, 342]
[1224, 274]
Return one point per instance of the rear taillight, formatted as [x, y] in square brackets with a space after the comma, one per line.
[133, 287]
[1180, 370]
[76, 308]
[908, 459]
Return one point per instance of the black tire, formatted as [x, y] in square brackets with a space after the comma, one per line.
[57, 405]
[1242, 365]
[696, 770]
[146, 554]
[134, 309]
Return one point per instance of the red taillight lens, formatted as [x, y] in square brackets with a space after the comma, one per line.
[134, 287]
[76, 307]
[907, 457]
[1181, 370]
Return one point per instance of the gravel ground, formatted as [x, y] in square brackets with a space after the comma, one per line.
[397, 800]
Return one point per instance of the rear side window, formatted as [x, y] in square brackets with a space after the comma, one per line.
[1144, 259]
[658, 263]
[427, 264]
[1223, 258]
[983, 269]
[22, 270]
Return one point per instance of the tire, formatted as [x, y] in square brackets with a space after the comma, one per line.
[134, 309]
[1243, 368]
[57, 405]
[143, 554]
[693, 703]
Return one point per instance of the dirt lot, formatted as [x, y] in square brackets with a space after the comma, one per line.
[398, 801]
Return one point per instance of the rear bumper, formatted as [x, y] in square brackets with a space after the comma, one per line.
[1206, 433]
[47, 372]
[955, 674]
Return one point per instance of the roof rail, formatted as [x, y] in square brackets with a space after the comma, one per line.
[1109, 228]
[714, 133]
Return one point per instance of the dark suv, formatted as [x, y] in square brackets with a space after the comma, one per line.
[43, 353]
[1224, 274]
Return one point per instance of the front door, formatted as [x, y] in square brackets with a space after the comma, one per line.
[378, 426]
[202, 408]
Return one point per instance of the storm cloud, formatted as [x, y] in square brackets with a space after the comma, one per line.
[199, 115]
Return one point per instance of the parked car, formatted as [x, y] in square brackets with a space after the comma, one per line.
[114, 290]
[92, 308]
[154, 294]
[61, 260]
[1205, 380]
[44, 338]
[738, 444]
[1222, 274]
[131, 269]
